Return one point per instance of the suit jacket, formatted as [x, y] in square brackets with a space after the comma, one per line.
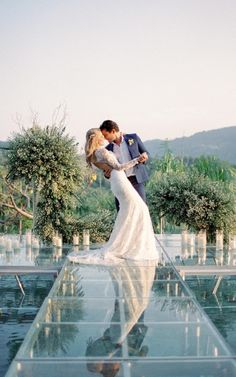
[135, 147]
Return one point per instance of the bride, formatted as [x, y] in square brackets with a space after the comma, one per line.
[132, 236]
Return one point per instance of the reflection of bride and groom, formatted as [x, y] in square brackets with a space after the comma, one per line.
[123, 162]
[132, 286]
[132, 238]
[117, 335]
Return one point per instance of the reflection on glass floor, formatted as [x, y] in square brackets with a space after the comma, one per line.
[126, 320]
[18, 311]
[219, 304]
[33, 259]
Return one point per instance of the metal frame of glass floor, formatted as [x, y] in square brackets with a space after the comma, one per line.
[128, 320]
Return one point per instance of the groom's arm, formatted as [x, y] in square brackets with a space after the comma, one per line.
[142, 149]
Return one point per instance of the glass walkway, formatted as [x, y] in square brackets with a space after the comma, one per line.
[131, 320]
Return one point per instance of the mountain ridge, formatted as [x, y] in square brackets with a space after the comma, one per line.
[218, 142]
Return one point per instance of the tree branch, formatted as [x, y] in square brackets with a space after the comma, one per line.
[12, 188]
[17, 209]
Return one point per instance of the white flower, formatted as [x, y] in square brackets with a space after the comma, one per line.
[131, 141]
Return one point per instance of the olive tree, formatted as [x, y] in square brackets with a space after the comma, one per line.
[47, 159]
[192, 200]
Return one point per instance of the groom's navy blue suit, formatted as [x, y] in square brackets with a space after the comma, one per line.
[135, 147]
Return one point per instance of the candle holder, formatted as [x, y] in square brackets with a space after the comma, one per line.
[8, 244]
[76, 249]
[54, 241]
[201, 253]
[219, 240]
[75, 240]
[59, 252]
[232, 242]
[28, 238]
[16, 245]
[184, 252]
[184, 237]
[86, 237]
[59, 242]
[35, 243]
[191, 239]
[219, 257]
[191, 250]
[201, 238]
[28, 253]
[2, 243]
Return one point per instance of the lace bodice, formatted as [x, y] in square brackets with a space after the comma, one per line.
[108, 157]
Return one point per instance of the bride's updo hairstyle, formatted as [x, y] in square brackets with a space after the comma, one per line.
[92, 143]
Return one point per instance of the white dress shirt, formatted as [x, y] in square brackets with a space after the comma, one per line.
[122, 154]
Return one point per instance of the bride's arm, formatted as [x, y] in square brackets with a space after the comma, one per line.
[105, 167]
[103, 155]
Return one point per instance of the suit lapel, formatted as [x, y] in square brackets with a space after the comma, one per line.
[110, 147]
[131, 147]
[126, 138]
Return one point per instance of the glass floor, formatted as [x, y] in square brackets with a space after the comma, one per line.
[17, 311]
[217, 296]
[131, 320]
[35, 269]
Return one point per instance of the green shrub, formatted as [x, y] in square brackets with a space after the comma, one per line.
[99, 224]
[192, 200]
[47, 159]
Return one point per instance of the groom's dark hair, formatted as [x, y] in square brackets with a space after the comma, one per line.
[109, 125]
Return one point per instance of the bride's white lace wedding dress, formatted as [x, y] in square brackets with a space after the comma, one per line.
[132, 236]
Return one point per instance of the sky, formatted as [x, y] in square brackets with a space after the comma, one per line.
[160, 68]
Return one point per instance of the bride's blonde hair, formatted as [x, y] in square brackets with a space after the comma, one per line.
[92, 143]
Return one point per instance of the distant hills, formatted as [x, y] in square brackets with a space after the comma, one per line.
[4, 145]
[220, 143]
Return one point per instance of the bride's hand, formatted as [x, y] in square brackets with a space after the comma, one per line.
[107, 171]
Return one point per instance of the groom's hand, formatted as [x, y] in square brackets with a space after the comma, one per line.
[107, 171]
[143, 157]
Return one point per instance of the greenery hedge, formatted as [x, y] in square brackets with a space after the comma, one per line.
[192, 200]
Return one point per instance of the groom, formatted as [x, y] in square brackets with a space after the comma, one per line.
[126, 147]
